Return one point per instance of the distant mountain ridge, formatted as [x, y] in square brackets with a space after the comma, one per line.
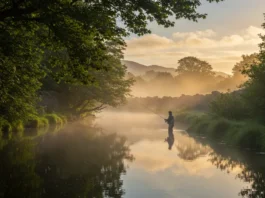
[140, 69]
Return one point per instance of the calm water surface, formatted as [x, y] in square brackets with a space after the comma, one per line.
[125, 155]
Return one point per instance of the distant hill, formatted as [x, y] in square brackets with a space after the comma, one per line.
[138, 69]
[222, 74]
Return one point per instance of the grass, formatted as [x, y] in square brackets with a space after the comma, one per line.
[37, 122]
[244, 134]
[54, 119]
[46, 120]
[34, 125]
[17, 126]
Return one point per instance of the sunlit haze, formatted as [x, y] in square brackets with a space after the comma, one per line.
[230, 30]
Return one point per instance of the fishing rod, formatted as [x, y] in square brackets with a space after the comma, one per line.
[149, 109]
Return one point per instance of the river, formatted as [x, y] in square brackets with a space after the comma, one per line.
[126, 155]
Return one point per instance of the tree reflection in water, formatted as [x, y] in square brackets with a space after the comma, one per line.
[77, 162]
[189, 149]
[251, 169]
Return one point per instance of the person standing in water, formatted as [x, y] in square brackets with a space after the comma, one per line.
[170, 121]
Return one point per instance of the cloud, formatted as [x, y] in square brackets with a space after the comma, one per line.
[207, 33]
[224, 51]
[151, 40]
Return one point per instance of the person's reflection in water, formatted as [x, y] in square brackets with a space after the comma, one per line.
[170, 140]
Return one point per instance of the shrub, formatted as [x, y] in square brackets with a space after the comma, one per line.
[33, 122]
[218, 128]
[37, 122]
[251, 136]
[54, 119]
[43, 122]
[230, 106]
[17, 126]
[200, 127]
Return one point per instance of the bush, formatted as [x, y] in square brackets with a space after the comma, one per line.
[43, 122]
[200, 127]
[230, 106]
[37, 122]
[242, 134]
[18, 126]
[32, 123]
[218, 128]
[54, 119]
[251, 136]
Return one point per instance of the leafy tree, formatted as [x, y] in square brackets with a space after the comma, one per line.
[194, 66]
[70, 40]
[245, 64]
[149, 75]
[254, 87]
[81, 100]
[230, 105]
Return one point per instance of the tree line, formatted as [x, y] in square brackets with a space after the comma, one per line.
[193, 76]
[249, 101]
[69, 51]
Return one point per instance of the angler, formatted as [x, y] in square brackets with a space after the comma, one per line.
[170, 121]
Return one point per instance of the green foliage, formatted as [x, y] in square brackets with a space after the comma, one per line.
[64, 40]
[252, 136]
[37, 122]
[18, 126]
[194, 66]
[81, 100]
[254, 87]
[245, 64]
[230, 105]
[54, 119]
[247, 134]
[218, 128]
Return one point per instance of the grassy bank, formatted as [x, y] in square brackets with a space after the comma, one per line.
[35, 122]
[244, 134]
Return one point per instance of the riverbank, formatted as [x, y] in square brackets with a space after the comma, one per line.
[243, 134]
[35, 122]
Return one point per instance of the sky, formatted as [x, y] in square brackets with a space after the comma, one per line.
[230, 30]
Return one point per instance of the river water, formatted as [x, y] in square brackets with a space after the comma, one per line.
[126, 155]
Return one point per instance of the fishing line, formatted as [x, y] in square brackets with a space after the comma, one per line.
[148, 108]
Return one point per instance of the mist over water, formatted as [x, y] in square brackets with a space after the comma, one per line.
[188, 170]
[124, 154]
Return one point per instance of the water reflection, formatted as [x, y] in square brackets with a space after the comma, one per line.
[170, 140]
[189, 149]
[76, 162]
[250, 168]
